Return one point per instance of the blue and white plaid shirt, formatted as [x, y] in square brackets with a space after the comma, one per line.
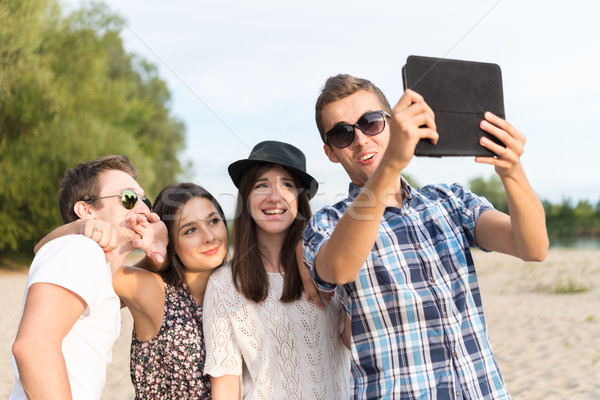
[418, 329]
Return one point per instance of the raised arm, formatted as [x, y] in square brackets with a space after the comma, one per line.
[100, 231]
[522, 234]
[143, 293]
[340, 259]
[153, 238]
[38, 346]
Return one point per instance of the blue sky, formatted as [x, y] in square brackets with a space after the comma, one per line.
[241, 72]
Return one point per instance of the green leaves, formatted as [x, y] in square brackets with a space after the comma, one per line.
[492, 190]
[69, 92]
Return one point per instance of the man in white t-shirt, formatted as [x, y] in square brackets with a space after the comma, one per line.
[71, 314]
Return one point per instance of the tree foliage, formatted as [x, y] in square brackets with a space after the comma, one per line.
[563, 221]
[69, 92]
[492, 189]
[567, 222]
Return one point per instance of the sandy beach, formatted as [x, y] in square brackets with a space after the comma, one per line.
[543, 318]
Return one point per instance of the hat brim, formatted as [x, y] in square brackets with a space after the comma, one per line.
[236, 171]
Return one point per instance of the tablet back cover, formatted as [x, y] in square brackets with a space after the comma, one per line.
[459, 93]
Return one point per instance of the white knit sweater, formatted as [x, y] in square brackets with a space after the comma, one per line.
[282, 350]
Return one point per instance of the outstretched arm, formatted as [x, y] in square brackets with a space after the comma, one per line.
[522, 234]
[153, 236]
[38, 346]
[100, 231]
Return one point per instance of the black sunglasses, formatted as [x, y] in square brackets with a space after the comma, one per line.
[128, 197]
[371, 124]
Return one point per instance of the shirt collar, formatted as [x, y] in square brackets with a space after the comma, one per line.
[354, 190]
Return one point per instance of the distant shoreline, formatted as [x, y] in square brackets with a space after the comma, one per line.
[575, 244]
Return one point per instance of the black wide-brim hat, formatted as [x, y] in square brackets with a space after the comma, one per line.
[284, 154]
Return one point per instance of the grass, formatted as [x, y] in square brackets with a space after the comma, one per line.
[570, 287]
[590, 318]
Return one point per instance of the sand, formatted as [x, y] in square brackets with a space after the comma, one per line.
[543, 318]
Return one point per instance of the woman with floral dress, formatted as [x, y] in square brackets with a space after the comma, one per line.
[167, 348]
[167, 357]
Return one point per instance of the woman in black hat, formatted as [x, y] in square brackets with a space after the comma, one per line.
[257, 322]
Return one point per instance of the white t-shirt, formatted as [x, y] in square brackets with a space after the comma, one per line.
[282, 350]
[77, 263]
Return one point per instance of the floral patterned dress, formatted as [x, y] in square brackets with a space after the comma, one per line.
[170, 365]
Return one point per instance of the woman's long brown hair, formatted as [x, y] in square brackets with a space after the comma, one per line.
[249, 274]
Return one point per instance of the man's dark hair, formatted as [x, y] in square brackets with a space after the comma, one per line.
[82, 183]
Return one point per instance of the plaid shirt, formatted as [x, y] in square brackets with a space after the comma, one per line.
[418, 329]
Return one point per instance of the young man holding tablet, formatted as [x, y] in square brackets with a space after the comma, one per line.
[400, 256]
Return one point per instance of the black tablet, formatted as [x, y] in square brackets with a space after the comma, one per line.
[459, 93]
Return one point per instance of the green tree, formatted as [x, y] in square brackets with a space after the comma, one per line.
[560, 220]
[69, 92]
[563, 220]
[492, 189]
[586, 223]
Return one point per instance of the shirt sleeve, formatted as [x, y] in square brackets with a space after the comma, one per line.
[471, 206]
[73, 262]
[317, 233]
[223, 356]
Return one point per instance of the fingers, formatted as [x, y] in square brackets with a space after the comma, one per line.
[500, 123]
[318, 296]
[313, 294]
[153, 240]
[103, 233]
[503, 130]
[414, 118]
[507, 156]
[327, 296]
[159, 252]
[153, 217]
[158, 258]
[409, 97]
[138, 222]
[95, 227]
[142, 219]
[513, 140]
[112, 242]
[104, 236]
[309, 286]
[413, 108]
